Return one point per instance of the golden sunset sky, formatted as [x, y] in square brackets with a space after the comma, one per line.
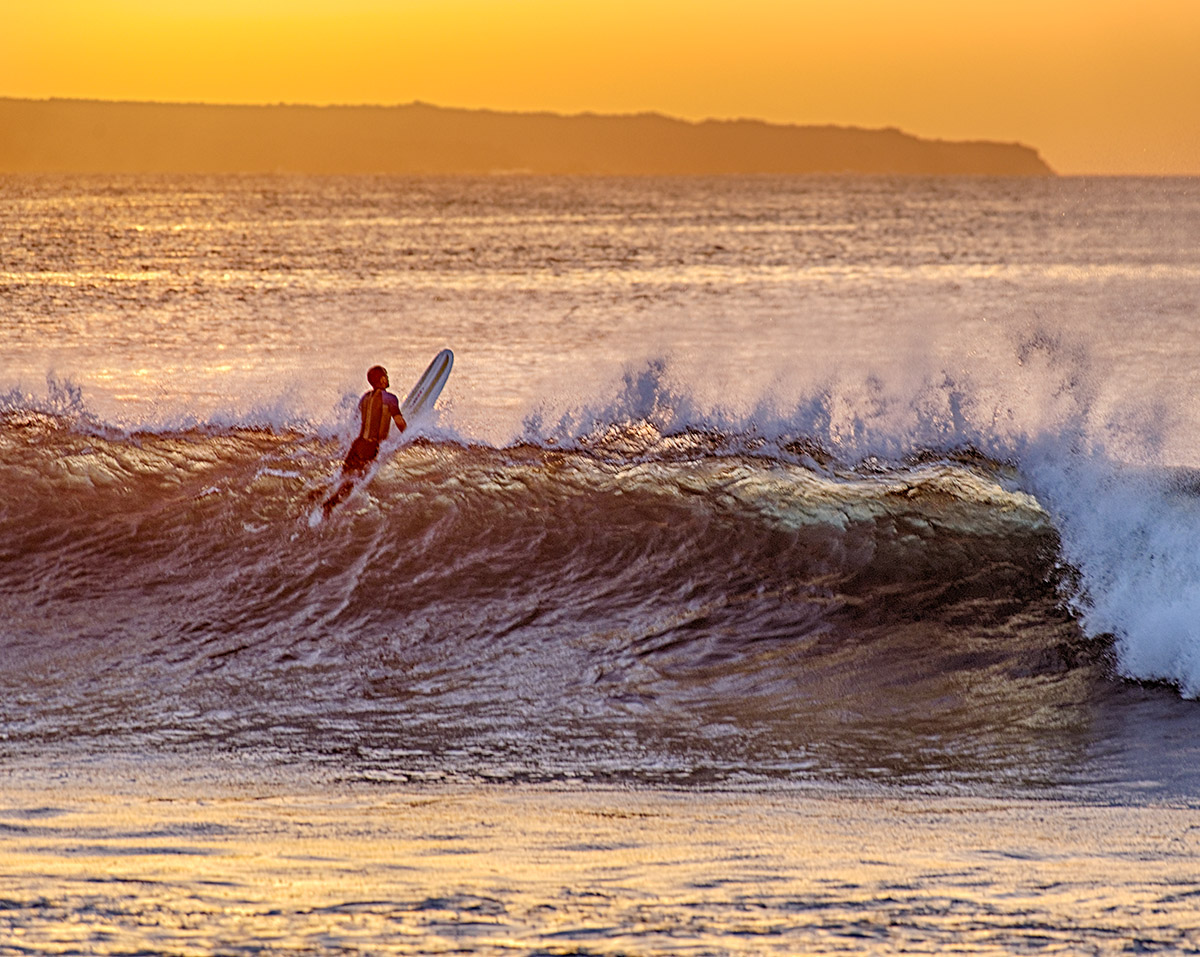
[1098, 86]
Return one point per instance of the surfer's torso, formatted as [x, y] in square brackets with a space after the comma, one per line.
[377, 408]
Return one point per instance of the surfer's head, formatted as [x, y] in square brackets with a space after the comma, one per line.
[376, 375]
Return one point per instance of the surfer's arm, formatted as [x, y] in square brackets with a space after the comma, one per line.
[393, 408]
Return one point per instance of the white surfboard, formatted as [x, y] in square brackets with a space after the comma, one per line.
[419, 401]
[425, 393]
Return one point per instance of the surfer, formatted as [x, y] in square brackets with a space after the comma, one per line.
[379, 409]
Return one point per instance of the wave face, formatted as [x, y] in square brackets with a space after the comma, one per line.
[640, 607]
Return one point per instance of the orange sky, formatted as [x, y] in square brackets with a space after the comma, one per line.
[1098, 86]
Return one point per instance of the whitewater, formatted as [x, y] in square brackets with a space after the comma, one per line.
[761, 490]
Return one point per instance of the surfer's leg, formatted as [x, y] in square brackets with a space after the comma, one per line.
[358, 461]
[338, 497]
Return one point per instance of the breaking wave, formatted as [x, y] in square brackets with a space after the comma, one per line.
[616, 593]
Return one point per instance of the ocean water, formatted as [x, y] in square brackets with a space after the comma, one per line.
[790, 565]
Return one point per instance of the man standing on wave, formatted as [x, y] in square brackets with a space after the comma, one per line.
[379, 408]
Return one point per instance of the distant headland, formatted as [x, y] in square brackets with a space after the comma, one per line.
[85, 136]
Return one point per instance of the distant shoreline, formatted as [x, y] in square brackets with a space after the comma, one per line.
[90, 136]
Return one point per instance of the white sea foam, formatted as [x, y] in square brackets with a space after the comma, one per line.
[1132, 536]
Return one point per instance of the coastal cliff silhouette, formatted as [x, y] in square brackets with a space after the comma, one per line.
[83, 136]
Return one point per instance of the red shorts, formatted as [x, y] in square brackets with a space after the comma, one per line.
[362, 453]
